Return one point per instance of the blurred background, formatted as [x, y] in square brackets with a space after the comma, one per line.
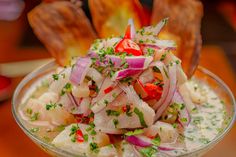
[21, 52]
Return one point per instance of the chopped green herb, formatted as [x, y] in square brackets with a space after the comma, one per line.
[34, 130]
[150, 51]
[140, 116]
[156, 141]
[50, 106]
[55, 77]
[94, 147]
[67, 88]
[184, 119]
[115, 122]
[85, 136]
[165, 72]
[165, 21]
[141, 41]
[135, 132]
[204, 140]
[106, 102]
[177, 61]
[93, 132]
[73, 129]
[175, 125]
[148, 151]
[29, 111]
[163, 57]
[35, 116]
[156, 69]
[128, 111]
[112, 113]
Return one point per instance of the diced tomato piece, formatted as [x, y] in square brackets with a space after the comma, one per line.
[79, 136]
[124, 108]
[108, 90]
[154, 91]
[128, 46]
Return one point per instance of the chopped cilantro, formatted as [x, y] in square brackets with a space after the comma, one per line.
[115, 122]
[128, 111]
[135, 132]
[150, 51]
[29, 111]
[112, 113]
[156, 69]
[67, 88]
[55, 77]
[35, 116]
[106, 102]
[148, 151]
[156, 141]
[163, 57]
[34, 130]
[140, 116]
[94, 147]
[50, 106]
[85, 137]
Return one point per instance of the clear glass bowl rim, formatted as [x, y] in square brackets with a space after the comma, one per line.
[62, 152]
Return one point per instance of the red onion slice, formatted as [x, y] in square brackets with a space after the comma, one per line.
[95, 76]
[79, 70]
[139, 141]
[171, 91]
[125, 73]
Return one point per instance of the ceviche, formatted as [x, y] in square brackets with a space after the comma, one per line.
[128, 97]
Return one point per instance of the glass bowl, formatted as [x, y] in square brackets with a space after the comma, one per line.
[201, 74]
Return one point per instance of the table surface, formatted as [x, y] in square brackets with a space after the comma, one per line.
[13, 142]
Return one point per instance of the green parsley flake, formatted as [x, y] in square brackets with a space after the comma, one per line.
[94, 147]
[35, 116]
[135, 132]
[140, 116]
[112, 113]
[51, 106]
[148, 151]
[156, 141]
[85, 136]
[115, 122]
[55, 77]
[34, 130]
[67, 88]
[163, 57]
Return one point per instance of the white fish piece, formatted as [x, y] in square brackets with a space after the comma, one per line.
[108, 151]
[128, 150]
[49, 97]
[63, 78]
[106, 100]
[167, 132]
[81, 91]
[106, 122]
[63, 140]
[55, 115]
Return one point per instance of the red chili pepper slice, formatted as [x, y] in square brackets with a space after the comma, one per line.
[79, 136]
[108, 90]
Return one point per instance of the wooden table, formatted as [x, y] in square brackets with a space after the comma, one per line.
[13, 142]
